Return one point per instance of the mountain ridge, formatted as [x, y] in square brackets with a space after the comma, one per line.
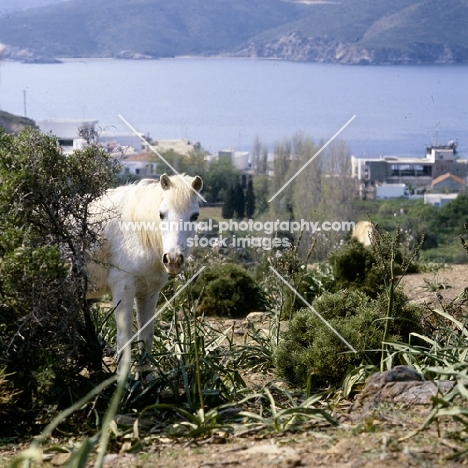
[347, 32]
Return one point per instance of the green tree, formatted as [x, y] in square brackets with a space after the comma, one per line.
[179, 162]
[219, 175]
[250, 200]
[261, 186]
[239, 201]
[455, 213]
[320, 188]
[196, 164]
[48, 334]
[281, 205]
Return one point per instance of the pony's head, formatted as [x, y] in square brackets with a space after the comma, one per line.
[178, 214]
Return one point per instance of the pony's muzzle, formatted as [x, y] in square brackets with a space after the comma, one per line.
[173, 262]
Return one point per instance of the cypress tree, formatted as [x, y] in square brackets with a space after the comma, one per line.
[239, 201]
[228, 206]
[249, 200]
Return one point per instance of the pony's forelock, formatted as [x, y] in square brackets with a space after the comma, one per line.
[142, 201]
[181, 192]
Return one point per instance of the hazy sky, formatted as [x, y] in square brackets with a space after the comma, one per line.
[10, 6]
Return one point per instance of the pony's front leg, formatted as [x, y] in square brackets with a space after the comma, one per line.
[146, 310]
[123, 299]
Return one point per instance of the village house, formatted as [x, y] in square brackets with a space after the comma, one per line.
[448, 183]
[142, 165]
[440, 169]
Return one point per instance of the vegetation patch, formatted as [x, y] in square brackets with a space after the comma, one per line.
[48, 335]
[204, 381]
[310, 350]
[228, 290]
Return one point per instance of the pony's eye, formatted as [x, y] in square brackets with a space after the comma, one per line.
[194, 217]
[161, 216]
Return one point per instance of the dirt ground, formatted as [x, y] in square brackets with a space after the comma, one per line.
[451, 281]
[376, 439]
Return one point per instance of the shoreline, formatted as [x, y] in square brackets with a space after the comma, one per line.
[41, 60]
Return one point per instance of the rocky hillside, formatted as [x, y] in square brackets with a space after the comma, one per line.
[13, 123]
[369, 32]
[346, 31]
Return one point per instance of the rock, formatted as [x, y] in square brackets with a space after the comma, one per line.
[401, 385]
[26, 55]
[255, 317]
[270, 449]
[397, 374]
[280, 457]
[114, 460]
[61, 458]
[300, 46]
[131, 55]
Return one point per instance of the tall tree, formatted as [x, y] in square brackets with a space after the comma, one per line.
[261, 185]
[239, 201]
[228, 206]
[218, 177]
[259, 158]
[250, 200]
[281, 205]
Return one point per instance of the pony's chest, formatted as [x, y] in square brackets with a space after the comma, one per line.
[151, 279]
[131, 256]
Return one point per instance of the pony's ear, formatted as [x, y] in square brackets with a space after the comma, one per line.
[197, 183]
[165, 182]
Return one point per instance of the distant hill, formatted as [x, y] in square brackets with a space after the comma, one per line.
[143, 28]
[13, 123]
[370, 31]
[347, 31]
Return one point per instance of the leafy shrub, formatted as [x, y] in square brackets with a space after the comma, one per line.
[48, 335]
[310, 349]
[354, 268]
[228, 291]
[430, 240]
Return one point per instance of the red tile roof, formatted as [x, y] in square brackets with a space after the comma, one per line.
[448, 175]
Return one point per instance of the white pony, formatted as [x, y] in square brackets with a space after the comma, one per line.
[363, 232]
[142, 245]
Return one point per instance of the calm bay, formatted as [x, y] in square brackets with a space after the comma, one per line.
[225, 103]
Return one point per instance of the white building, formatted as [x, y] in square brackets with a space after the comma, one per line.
[138, 164]
[384, 191]
[439, 199]
[418, 173]
[67, 130]
[72, 134]
[240, 159]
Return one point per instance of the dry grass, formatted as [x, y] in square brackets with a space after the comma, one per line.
[211, 212]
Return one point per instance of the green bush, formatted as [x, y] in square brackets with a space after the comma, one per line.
[310, 349]
[228, 291]
[47, 333]
[353, 267]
